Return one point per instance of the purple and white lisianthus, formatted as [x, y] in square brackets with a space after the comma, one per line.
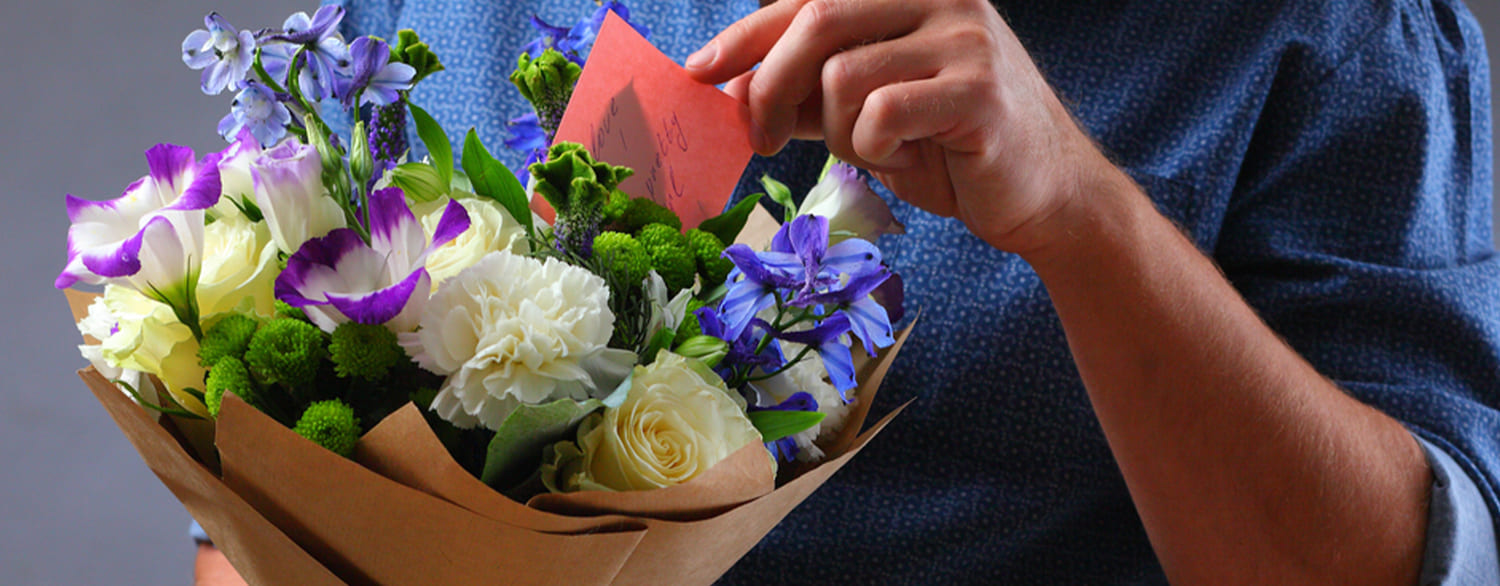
[339, 278]
[151, 237]
[852, 208]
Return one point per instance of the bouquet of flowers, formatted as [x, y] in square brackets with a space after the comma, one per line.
[352, 366]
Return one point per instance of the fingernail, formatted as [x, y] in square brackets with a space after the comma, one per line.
[704, 57]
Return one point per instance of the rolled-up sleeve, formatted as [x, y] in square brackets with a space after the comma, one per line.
[1461, 545]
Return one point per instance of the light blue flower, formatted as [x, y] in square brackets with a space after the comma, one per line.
[325, 61]
[258, 110]
[224, 54]
[376, 80]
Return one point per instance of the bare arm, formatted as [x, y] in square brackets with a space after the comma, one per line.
[1245, 464]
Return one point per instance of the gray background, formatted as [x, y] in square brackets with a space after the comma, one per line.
[87, 87]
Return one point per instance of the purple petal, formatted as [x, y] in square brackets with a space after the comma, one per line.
[454, 222]
[392, 225]
[891, 295]
[828, 331]
[169, 162]
[799, 401]
[78, 207]
[197, 49]
[756, 268]
[379, 306]
[316, 254]
[115, 261]
[808, 236]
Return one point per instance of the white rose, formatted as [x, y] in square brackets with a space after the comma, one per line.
[148, 338]
[676, 422]
[239, 266]
[491, 229]
[510, 330]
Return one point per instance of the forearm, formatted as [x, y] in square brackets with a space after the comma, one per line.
[1245, 464]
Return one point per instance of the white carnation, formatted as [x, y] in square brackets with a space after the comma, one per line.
[512, 330]
[811, 376]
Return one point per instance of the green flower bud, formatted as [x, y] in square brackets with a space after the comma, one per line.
[707, 349]
[361, 164]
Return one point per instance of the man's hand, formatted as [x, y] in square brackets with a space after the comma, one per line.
[1245, 464]
[936, 97]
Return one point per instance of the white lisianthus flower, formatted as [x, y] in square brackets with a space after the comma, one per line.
[491, 229]
[148, 338]
[236, 184]
[676, 422]
[289, 190]
[852, 208]
[239, 263]
[512, 330]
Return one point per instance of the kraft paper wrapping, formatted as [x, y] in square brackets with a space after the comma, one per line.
[260, 551]
[371, 530]
[290, 512]
[682, 545]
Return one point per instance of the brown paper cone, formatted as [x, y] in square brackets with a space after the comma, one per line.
[261, 552]
[371, 530]
[701, 551]
[404, 449]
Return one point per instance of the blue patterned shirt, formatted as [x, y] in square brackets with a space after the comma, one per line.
[1333, 156]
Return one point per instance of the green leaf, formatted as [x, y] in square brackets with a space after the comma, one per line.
[436, 140]
[774, 425]
[491, 179]
[516, 449]
[781, 194]
[727, 225]
[662, 340]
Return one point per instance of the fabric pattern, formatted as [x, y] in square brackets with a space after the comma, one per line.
[1332, 156]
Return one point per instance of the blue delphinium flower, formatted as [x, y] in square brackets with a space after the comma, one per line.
[582, 36]
[258, 110]
[801, 270]
[526, 134]
[325, 61]
[224, 54]
[825, 339]
[741, 355]
[551, 37]
[376, 80]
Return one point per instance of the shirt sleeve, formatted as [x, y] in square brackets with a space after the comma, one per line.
[1361, 231]
[1461, 545]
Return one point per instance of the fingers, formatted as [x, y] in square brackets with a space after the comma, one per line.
[902, 113]
[739, 47]
[791, 70]
[849, 77]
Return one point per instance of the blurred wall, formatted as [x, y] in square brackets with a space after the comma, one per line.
[88, 86]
